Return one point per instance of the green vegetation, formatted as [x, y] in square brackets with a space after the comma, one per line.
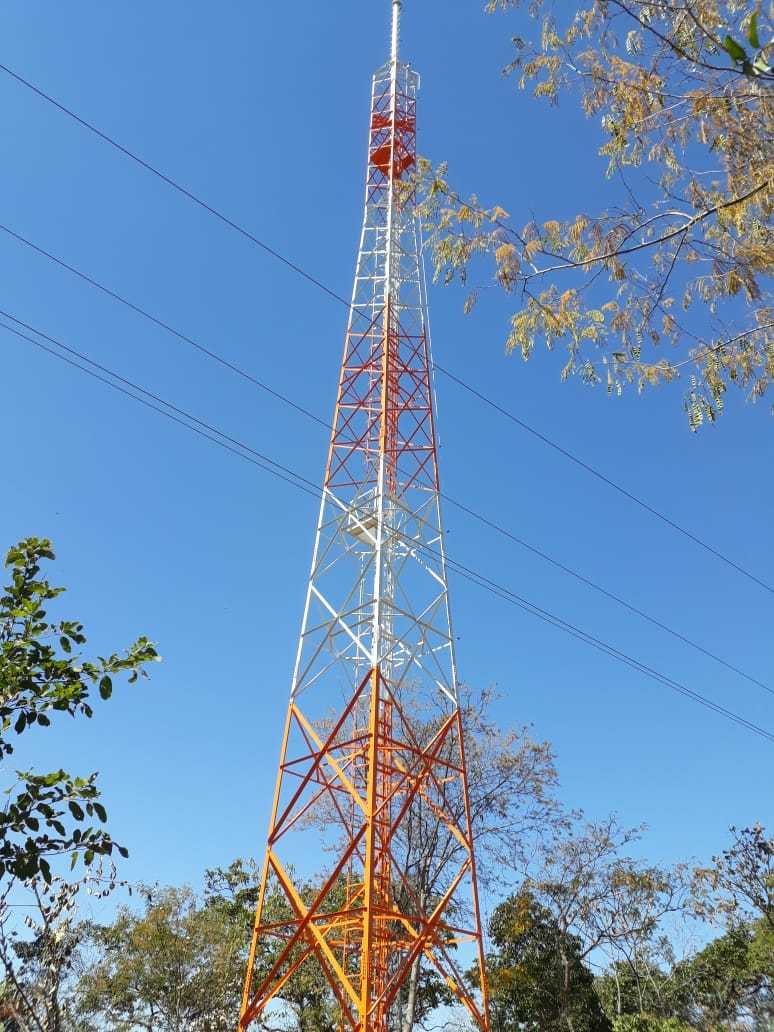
[604, 962]
[43, 677]
[583, 937]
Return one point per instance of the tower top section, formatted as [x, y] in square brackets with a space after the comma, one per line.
[396, 9]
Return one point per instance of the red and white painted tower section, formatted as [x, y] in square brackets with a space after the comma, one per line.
[373, 747]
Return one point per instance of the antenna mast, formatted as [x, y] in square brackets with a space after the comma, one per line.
[368, 793]
[396, 6]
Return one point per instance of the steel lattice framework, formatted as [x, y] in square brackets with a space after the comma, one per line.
[372, 774]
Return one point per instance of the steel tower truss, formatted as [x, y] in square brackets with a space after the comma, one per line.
[372, 781]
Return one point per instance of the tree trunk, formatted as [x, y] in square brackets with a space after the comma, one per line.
[566, 1017]
[411, 1000]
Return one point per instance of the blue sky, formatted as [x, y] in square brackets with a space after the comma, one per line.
[262, 109]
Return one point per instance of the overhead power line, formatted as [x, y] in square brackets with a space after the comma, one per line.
[262, 385]
[601, 476]
[174, 184]
[504, 532]
[115, 296]
[75, 358]
[334, 295]
[154, 401]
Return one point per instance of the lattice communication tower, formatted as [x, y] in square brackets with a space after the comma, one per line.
[372, 782]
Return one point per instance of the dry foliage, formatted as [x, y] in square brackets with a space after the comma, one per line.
[674, 276]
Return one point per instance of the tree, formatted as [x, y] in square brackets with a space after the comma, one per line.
[537, 977]
[736, 971]
[638, 986]
[762, 952]
[179, 964]
[511, 780]
[739, 883]
[682, 254]
[648, 1023]
[49, 815]
[39, 957]
[598, 893]
[722, 983]
[599, 899]
[8, 1015]
[306, 997]
[725, 984]
[174, 967]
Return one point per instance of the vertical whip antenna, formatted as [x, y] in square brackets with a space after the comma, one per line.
[396, 6]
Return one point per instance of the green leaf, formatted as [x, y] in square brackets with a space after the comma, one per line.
[737, 52]
[47, 816]
[45, 870]
[752, 31]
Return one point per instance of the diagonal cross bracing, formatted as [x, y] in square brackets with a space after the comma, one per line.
[373, 744]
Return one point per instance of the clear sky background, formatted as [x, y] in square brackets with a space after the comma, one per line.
[262, 109]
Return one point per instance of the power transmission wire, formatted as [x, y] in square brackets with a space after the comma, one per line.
[601, 476]
[115, 296]
[507, 595]
[504, 532]
[174, 185]
[200, 427]
[299, 270]
[289, 476]
[484, 520]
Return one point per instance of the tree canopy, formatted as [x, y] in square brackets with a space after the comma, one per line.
[538, 979]
[671, 276]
